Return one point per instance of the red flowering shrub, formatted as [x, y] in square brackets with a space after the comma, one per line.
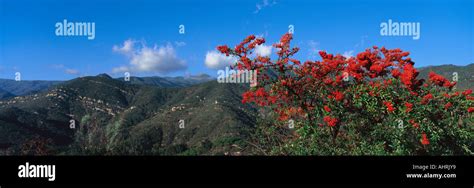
[373, 103]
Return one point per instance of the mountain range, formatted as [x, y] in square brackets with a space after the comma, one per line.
[10, 88]
[101, 115]
[465, 74]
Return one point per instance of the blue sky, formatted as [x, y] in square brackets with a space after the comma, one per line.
[29, 45]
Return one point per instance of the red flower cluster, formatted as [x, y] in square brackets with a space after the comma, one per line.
[424, 139]
[470, 109]
[247, 97]
[396, 73]
[337, 95]
[344, 86]
[409, 107]
[327, 109]
[389, 106]
[331, 121]
[284, 46]
[448, 105]
[223, 49]
[426, 98]
[467, 92]
[414, 124]
[257, 96]
[440, 80]
[408, 77]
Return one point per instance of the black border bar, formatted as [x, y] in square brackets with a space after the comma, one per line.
[236, 170]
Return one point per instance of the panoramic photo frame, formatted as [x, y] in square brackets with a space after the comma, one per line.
[381, 85]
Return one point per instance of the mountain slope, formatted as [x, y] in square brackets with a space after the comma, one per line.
[212, 115]
[19, 88]
[465, 74]
[5, 94]
[48, 115]
[10, 87]
[170, 82]
[114, 117]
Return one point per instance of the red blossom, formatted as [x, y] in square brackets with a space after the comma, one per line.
[467, 92]
[331, 121]
[409, 107]
[260, 92]
[223, 49]
[327, 109]
[424, 139]
[249, 38]
[338, 96]
[396, 73]
[440, 80]
[376, 68]
[389, 106]
[448, 105]
[470, 109]
[414, 124]
[426, 98]
[300, 89]
[408, 77]
[286, 38]
[248, 96]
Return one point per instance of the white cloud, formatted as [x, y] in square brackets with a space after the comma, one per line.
[263, 50]
[71, 71]
[360, 44]
[263, 4]
[161, 59]
[313, 49]
[66, 69]
[127, 47]
[216, 60]
[348, 54]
